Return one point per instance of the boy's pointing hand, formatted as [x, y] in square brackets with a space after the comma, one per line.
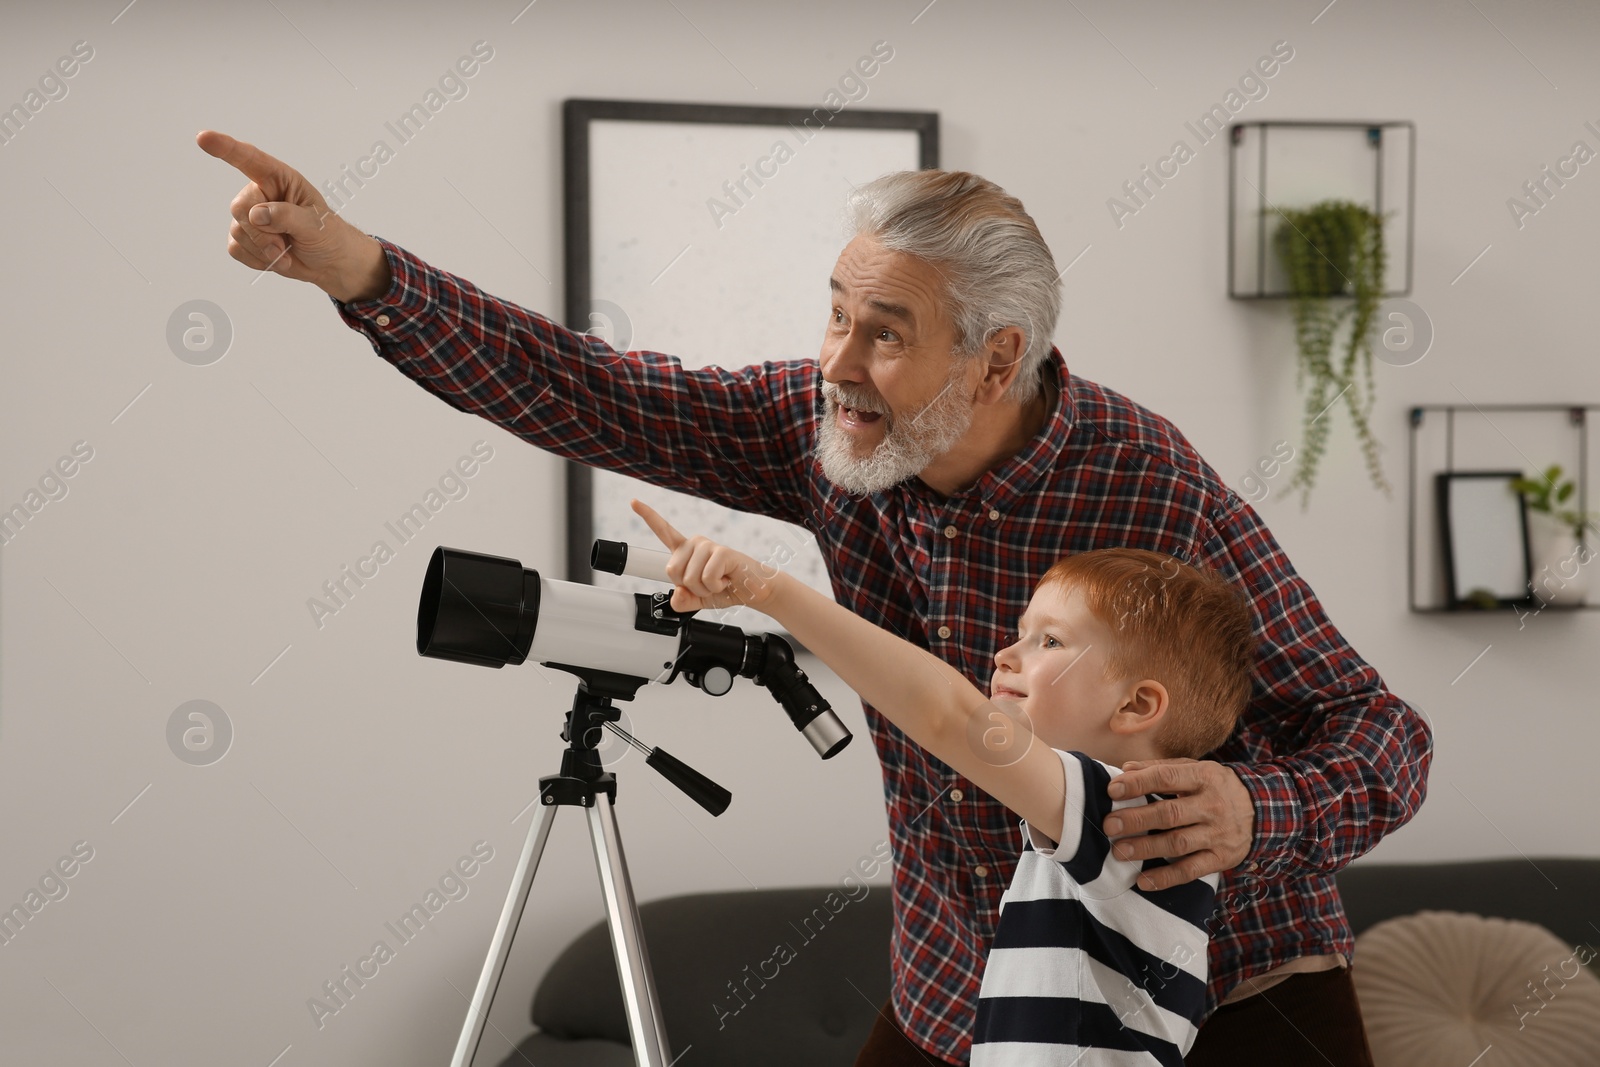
[706, 574]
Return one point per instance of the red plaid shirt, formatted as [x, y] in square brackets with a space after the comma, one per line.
[1332, 759]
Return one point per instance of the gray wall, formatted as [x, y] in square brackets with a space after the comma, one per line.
[178, 564]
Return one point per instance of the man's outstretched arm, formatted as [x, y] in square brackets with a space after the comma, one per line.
[737, 437]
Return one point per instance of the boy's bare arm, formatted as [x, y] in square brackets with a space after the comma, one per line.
[931, 701]
[927, 698]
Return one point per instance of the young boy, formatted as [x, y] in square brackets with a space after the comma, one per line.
[1122, 654]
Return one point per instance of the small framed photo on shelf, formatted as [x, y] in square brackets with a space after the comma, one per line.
[1483, 524]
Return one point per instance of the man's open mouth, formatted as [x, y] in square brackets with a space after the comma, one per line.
[858, 416]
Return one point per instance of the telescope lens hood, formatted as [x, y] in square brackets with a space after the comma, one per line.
[477, 608]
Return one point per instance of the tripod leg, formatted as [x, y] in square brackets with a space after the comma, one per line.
[500, 947]
[645, 1026]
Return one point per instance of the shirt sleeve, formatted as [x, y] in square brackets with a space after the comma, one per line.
[1083, 846]
[1333, 760]
[738, 437]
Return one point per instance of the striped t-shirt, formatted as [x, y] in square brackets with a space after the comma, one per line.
[1086, 967]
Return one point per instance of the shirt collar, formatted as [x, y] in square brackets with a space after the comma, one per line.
[1002, 485]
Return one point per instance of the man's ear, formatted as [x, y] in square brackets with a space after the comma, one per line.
[1002, 363]
[1143, 708]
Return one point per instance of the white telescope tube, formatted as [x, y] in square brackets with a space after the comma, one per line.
[585, 626]
[648, 563]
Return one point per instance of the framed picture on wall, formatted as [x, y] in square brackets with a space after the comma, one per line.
[690, 231]
[1484, 529]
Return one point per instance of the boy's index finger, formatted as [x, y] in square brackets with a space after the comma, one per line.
[661, 527]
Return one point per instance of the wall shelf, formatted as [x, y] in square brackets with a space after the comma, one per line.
[1462, 437]
[1370, 163]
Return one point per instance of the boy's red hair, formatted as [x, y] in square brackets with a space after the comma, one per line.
[1186, 627]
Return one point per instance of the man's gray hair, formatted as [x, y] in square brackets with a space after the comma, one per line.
[997, 270]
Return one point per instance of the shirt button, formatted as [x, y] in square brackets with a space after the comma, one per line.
[981, 871]
[993, 514]
[949, 531]
[944, 631]
[956, 795]
[382, 320]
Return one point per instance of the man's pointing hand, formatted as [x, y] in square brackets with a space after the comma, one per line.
[282, 224]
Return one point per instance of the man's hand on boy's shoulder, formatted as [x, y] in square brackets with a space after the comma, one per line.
[1210, 819]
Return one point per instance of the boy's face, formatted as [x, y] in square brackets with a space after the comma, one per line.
[1054, 672]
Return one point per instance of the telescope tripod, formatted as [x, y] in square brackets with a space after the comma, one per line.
[583, 782]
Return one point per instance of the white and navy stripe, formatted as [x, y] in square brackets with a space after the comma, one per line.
[1087, 968]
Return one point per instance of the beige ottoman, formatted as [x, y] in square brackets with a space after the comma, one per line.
[1455, 990]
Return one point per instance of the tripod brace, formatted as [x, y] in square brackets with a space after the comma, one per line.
[585, 783]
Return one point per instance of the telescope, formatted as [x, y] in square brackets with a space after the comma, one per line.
[490, 611]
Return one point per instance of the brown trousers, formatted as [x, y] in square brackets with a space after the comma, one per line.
[1312, 1017]
[1306, 1018]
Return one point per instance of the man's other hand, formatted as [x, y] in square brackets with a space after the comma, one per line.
[1210, 823]
[282, 224]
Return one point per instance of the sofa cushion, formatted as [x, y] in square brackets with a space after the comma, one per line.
[780, 976]
[1440, 988]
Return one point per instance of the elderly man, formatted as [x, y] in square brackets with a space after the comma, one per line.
[944, 457]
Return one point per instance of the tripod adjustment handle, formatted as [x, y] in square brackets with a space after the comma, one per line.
[702, 790]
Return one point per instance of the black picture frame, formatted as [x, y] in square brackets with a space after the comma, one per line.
[1456, 598]
[578, 115]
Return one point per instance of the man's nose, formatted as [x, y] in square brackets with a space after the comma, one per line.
[843, 360]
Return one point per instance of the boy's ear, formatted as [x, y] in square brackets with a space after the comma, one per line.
[1142, 708]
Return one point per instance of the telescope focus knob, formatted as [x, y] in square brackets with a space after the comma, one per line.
[717, 681]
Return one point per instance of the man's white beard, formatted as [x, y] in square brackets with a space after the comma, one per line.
[909, 444]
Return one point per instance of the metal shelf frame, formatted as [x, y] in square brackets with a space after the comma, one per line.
[1375, 141]
[1577, 417]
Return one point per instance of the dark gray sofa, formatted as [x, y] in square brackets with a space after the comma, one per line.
[815, 1010]
[819, 1005]
[1562, 895]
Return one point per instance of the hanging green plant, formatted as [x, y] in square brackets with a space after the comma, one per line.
[1333, 255]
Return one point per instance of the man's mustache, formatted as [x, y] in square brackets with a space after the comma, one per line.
[864, 405]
